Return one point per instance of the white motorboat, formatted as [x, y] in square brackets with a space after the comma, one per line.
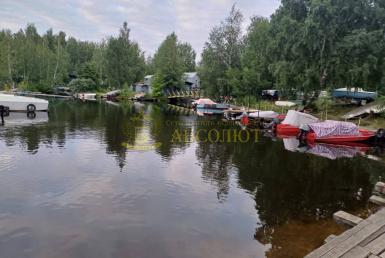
[87, 96]
[263, 114]
[20, 103]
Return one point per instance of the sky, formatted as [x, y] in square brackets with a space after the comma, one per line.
[150, 21]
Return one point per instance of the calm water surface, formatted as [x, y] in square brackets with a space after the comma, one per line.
[99, 180]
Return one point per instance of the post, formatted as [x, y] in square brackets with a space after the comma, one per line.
[2, 109]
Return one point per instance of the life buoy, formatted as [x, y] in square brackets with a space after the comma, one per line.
[31, 108]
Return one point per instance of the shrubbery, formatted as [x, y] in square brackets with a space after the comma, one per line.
[82, 85]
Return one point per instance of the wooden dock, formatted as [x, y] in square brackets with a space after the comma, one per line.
[365, 240]
[373, 107]
[35, 94]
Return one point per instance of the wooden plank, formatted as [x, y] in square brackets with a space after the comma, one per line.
[336, 241]
[357, 252]
[363, 233]
[377, 246]
[347, 218]
[373, 237]
[377, 200]
[330, 238]
[354, 240]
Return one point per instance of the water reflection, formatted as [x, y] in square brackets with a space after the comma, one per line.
[174, 199]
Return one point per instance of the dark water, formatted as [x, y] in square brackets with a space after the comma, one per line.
[98, 180]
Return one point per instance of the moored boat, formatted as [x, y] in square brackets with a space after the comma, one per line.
[209, 107]
[25, 104]
[264, 114]
[87, 96]
[354, 93]
[337, 132]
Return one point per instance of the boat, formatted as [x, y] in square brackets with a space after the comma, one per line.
[354, 93]
[209, 107]
[20, 103]
[281, 103]
[337, 132]
[87, 96]
[112, 95]
[292, 122]
[264, 114]
[270, 94]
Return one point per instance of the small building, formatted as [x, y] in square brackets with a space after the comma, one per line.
[191, 80]
[141, 88]
[148, 80]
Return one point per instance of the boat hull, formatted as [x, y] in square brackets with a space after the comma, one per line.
[363, 136]
[19, 103]
[287, 130]
[211, 109]
[360, 95]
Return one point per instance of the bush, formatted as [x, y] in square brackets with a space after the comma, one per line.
[82, 85]
[127, 92]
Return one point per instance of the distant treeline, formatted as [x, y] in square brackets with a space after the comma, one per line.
[306, 45]
[42, 62]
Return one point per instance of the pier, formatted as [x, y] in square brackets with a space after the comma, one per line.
[366, 239]
[36, 94]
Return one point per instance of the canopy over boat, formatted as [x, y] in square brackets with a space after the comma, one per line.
[204, 102]
[296, 118]
[263, 114]
[333, 128]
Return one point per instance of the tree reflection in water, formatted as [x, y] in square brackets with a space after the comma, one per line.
[295, 194]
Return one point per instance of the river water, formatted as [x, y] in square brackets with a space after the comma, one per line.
[134, 180]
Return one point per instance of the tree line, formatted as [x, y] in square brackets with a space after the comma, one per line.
[34, 62]
[306, 45]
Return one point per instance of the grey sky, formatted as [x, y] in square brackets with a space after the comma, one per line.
[150, 20]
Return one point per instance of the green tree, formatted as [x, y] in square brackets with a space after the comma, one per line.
[171, 60]
[125, 61]
[221, 55]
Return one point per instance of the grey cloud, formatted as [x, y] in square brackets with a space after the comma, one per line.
[150, 20]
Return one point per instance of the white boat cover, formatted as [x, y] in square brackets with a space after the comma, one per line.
[204, 102]
[285, 103]
[333, 152]
[291, 144]
[334, 128]
[263, 114]
[296, 118]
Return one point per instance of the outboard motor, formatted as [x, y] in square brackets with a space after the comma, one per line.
[272, 125]
[303, 131]
[380, 135]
